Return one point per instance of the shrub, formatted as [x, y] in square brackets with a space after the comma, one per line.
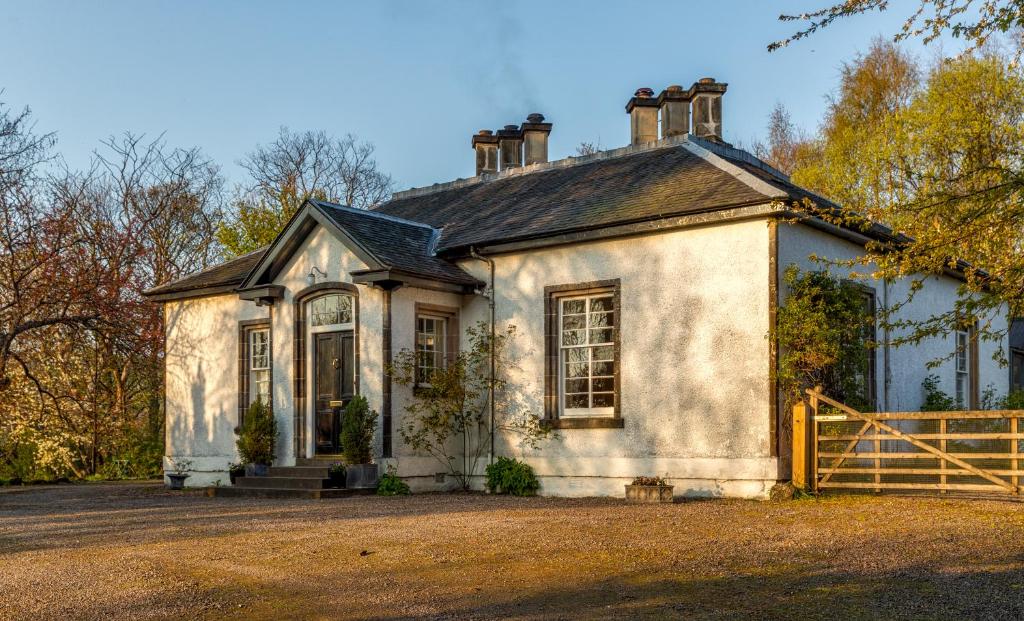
[650, 481]
[934, 399]
[391, 485]
[357, 431]
[258, 436]
[510, 476]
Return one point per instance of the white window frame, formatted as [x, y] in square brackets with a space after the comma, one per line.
[962, 369]
[440, 345]
[591, 411]
[260, 372]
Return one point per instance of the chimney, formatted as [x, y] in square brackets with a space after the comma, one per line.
[485, 143]
[535, 139]
[706, 97]
[510, 142]
[674, 102]
[643, 116]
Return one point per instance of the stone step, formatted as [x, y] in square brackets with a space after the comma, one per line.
[324, 461]
[283, 492]
[284, 482]
[318, 472]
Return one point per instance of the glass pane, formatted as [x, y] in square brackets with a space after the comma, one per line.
[331, 309]
[577, 354]
[577, 385]
[574, 322]
[604, 399]
[577, 401]
[574, 337]
[574, 307]
[604, 384]
[603, 368]
[577, 370]
[601, 335]
[604, 353]
[601, 304]
[599, 320]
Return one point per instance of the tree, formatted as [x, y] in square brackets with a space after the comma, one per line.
[973, 20]
[588, 148]
[941, 166]
[448, 418]
[293, 168]
[786, 144]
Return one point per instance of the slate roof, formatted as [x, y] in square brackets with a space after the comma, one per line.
[223, 275]
[598, 192]
[676, 177]
[398, 244]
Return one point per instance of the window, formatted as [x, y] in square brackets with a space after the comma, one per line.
[259, 365]
[582, 355]
[1016, 369]
[962, 359]
[332, 309]
[867, 376]
[431, 346]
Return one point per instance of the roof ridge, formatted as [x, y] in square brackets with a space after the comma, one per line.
[567, 162]
[372, 212]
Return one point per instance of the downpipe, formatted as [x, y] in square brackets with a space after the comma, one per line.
[490, 295]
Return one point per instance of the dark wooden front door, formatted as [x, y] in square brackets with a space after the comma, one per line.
[334, 379]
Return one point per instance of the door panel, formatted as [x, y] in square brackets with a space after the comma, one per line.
[334, 379]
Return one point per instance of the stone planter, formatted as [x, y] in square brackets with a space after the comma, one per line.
[337, 478]
[361, 476]
[648, 494]
[177, 481]
[256, 470]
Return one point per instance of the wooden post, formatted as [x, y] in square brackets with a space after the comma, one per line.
[942, 462]
[800, 445]
[1015, 450]
[814, 440]
[878, 462]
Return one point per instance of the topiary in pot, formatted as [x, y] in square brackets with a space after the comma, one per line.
[257, 439]
[357, 427]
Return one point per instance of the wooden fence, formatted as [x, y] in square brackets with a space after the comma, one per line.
[838, 447]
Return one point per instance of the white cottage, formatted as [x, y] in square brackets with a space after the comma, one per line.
[673, 247]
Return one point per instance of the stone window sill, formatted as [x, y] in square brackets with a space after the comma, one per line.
[602, 422]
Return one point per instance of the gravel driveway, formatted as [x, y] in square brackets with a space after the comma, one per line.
[138, 551]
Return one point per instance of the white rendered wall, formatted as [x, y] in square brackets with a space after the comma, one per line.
[201, 378]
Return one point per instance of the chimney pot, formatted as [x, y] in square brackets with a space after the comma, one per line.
[706, 97]
[675, 111]
[643, 116]
[486, 146]
[535, 139]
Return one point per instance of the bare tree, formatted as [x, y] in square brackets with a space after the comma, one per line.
[588, 148]
[785, 140]
[311, 164]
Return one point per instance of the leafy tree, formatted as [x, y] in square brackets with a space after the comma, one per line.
[448, 418]
[821, 338]
[973, 20]
[293, 168]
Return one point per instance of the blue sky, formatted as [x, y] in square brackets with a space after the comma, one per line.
[416, 78]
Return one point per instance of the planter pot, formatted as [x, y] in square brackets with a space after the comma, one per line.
[361, 476]
[235, 476]
[337, 478]
[256, 470]
[649, 493]
[177, 481]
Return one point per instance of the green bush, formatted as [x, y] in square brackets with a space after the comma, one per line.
[357, 429]
[510, 476]
[934, 399]
[258, 435]
[391, 485]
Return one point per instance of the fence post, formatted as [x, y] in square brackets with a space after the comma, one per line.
[1014, 451]
[800, 445]
[813, 422]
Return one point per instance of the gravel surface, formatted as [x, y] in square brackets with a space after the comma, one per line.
[137, 551]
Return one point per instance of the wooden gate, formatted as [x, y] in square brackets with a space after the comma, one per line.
[838, 447]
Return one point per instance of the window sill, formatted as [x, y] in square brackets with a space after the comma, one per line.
[596, 422]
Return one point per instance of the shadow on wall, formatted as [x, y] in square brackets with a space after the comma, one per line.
[694, 353]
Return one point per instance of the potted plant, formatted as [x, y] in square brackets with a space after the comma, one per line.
[179, 474]
[649, 490]
[336, 473]
[235, 471]
[357, 429]
[257, 439]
